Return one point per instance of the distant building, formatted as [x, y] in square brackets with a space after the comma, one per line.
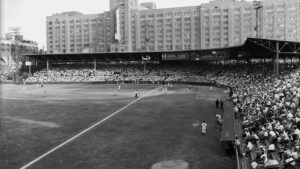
[73, 32]
[129, 26]
[13, 46]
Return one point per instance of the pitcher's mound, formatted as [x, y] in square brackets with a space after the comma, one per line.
[172, 164]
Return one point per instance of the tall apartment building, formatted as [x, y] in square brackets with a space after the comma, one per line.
[226, 24]
[130, 26]
[73, 32]
[166, 29]
[281, 20]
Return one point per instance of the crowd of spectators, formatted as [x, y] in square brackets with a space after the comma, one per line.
[129, 73]
[270, 113]
[7, 73]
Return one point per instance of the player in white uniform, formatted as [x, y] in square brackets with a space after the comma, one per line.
[203, 128]
[119, 87]
[136, 94]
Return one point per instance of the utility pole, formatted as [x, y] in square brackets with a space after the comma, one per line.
[257, 5]
[147, 40]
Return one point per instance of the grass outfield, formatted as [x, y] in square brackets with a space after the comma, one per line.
[155, 129]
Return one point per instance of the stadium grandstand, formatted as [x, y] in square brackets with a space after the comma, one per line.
[263, 76]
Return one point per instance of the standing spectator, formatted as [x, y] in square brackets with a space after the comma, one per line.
[204, 128]
[237, 144]
[217, 103]
[230, 92]
[221, 104]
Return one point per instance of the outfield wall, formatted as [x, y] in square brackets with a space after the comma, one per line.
[138, 82]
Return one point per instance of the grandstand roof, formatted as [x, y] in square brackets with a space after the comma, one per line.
[262, 48]
[252, 48]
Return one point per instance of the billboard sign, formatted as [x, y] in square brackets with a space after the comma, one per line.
[175, 56]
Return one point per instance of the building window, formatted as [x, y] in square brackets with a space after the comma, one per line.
[196, 13]
[187, 13]
[150, 16]
[187, 19]
[169, 47]
[168, 15]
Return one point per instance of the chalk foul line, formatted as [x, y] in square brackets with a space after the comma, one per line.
[86, 130]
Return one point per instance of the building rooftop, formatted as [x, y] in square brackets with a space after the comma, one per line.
[69, 13]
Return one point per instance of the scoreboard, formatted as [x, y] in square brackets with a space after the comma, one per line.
[175, 56]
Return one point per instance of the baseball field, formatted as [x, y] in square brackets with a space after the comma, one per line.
[96, 126]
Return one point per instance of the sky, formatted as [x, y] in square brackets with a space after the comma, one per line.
[30, 15]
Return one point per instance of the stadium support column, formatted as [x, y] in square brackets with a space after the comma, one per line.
[29, 70]
[276, 66]
[47, 66]
[264, 61]
[144, 66]
[95, 64]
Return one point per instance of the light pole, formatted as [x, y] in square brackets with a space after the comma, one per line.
[144, 59]
[28, 63]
